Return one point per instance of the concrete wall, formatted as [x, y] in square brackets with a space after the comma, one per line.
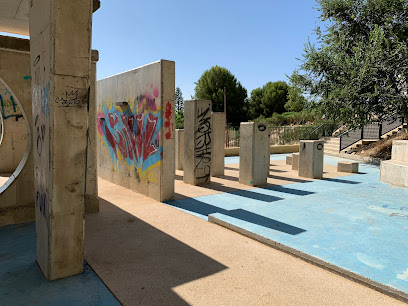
[136, 143]
[17, 194]
[179, 149]
[218, 144]
[279, 149]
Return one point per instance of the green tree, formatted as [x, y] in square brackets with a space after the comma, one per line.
[269, 99]
[179, 100]
[211, 85]
[296, 100]
[358, 73]
[180, 119]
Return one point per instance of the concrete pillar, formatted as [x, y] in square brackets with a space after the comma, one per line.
[91, 192]
[311, 153]
[218, 144]
[295, 161]
[253, 154]
[179, 149]
[60, 45]
[197, 142]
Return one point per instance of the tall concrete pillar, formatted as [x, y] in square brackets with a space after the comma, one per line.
[253, 154]
[91, 192]
[60, 45]
[179, 149]
[197, 142]
[218, 144]
[311, 153]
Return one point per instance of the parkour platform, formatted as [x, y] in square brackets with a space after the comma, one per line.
[140, 251]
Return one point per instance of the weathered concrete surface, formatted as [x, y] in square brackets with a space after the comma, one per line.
[60, 70]
[232, 151]
[136, 128]
[311, 153]
[197, 142]
[254, 153]
[281, 149]
[218, 144]
[91, 190]
[168, 260]
[289, 159]
[295, 161]
[17, 195]
[179, 149]
[395, 171]
[351, 167]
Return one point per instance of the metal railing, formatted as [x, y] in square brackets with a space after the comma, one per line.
[285, 135]
[373, 131]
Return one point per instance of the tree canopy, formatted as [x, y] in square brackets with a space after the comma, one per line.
[296, 100]
[211, 85]
[269, 99]
[358, 72]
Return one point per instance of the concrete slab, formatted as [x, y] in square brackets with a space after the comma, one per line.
[23, 284]
[154, 254]
[353, 222]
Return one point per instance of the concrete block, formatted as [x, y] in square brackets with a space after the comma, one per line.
[179, 149]
[197, 142]
[350, 167]
[218, 144]
[394, 173]
[289, 160]
[399, 150]
[136, 128]
[295, 161]
[311, 153]
[254, 154]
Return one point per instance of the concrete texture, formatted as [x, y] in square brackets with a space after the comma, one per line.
[295, 161]
[179, 149]
[361, 222]
[395, 171]
[311, 154]
[217, 144]
[173, 258]
[137, 131]
[91, 187]
[289, 159]
[198, 142]
[254, 153]
[60, 74]
[281, 149]
[351, 167]
[23, 284]
[17, 195]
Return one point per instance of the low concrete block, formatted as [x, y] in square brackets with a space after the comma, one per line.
[400, 150]
[350, 167]
[289, 160]
[394, 173]
[295, 161]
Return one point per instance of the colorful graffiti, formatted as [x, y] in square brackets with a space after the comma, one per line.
[133, 135]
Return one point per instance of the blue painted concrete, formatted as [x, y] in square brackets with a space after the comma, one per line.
[354, 222]
[21, 281]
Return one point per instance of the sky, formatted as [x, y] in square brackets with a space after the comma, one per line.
[258, 40]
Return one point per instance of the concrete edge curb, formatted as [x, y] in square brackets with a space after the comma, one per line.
[364, 159]
[399, 295]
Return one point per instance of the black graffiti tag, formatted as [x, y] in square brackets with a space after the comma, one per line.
[40, 134]
[203, 144]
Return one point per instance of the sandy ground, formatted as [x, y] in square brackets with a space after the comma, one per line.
[149, 253]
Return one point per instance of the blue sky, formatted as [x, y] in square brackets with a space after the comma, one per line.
[258, 41]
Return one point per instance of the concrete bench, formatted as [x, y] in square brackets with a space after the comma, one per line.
[295, 161]
[351, 167]
[289, 160]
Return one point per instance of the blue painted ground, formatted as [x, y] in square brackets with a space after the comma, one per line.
[21, 281]
[354, 222]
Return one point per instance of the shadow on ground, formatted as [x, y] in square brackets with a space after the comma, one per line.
[126, 251]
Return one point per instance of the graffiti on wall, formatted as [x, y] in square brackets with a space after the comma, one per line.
[203, 144]
[132, 135]
[169, 125]
[8, 106]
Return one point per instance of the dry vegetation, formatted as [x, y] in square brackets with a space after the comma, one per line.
[382, 148]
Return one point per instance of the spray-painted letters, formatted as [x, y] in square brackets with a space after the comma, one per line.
[203, 144]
